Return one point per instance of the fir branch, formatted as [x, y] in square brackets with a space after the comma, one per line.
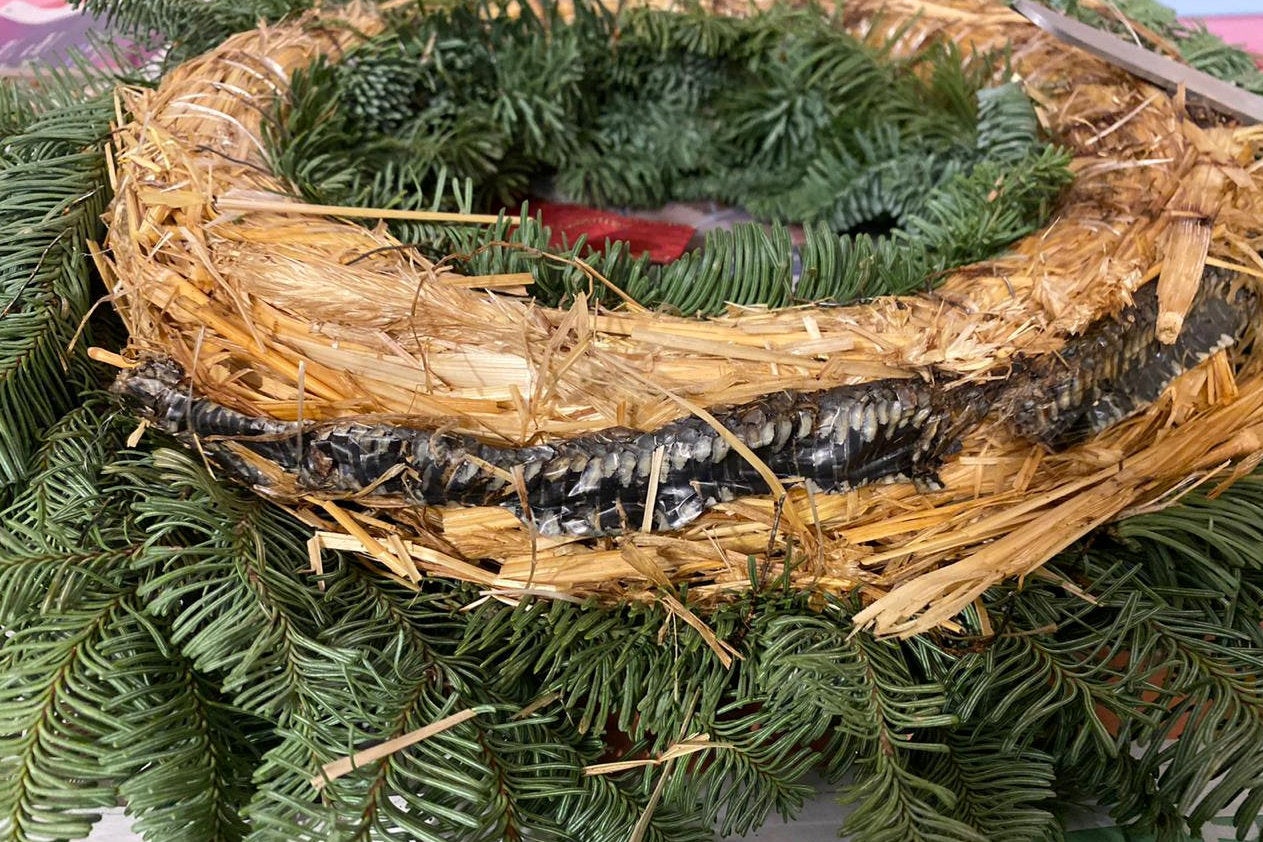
[885, 717]
[285, 806]
[978, 212]
[53, 193]
[19, 106]
[1201, 664]
[1216, 683]
[531, 647]
[437, 790]
[1167, 646]
[190, 28]
[1207, 548]
[76, 569]
[66, 533]
[183, 756]
[1005, 793]
[53, 725]
[1032, 678]
[894, 803]
[655, 693]
[609, 806]
[66, 493]
[516, 760]
[783, 105]
[493, 777]
[222, 573]
[764, 754]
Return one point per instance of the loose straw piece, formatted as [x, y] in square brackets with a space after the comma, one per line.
[345, 765]
[644, 564]
[1187, 246]
[1193, 210]
[101, 355]
[651, 494]
[315, 555]
[691, 745]
[399, 566]
[241, 205]
[723, 651]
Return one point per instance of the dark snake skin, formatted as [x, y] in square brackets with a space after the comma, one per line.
[1116, 367]
[837, 439]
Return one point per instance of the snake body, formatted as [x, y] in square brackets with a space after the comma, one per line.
[890, 430]
[1117, 367]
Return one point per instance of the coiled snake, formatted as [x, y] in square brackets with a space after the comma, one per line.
[891, 430]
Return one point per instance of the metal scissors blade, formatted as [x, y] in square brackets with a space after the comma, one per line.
[1161, 71]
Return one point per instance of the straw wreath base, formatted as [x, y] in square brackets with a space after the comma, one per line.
[289, 311]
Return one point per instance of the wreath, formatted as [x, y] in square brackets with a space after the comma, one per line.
[329, 665]
[897, 170]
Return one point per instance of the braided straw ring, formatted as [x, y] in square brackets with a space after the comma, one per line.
[282, 310]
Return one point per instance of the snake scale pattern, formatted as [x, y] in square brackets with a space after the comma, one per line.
[892, 430]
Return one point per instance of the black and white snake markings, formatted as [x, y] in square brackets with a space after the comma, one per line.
[891, 430]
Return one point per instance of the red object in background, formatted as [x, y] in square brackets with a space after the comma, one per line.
[664, 241]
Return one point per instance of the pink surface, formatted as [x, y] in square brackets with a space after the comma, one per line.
[39, 30]
[1240, 30]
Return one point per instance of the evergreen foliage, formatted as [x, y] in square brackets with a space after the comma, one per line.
[166, 645]
[186, 29]
[163, 643]
[1200, 48]
[899, 169]
[52, 193]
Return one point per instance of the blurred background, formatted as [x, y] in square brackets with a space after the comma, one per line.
[1236, 21]
[42, 29]
[1217, 7]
